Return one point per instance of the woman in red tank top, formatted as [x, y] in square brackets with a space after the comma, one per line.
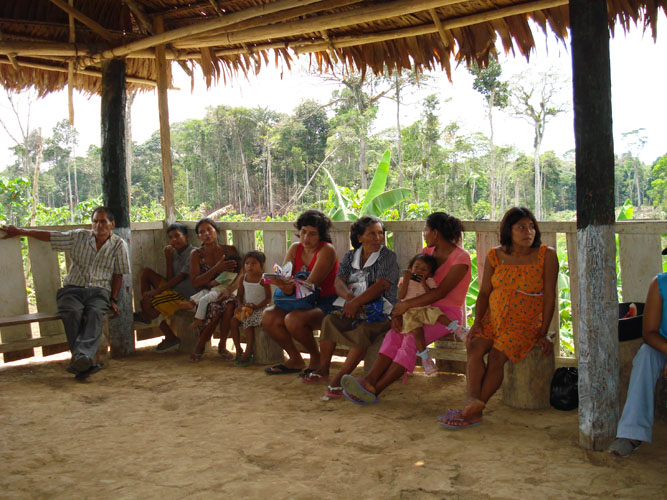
[314, 253]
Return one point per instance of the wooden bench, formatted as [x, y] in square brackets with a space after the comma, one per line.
[57, 339]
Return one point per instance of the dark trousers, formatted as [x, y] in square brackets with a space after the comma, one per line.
[83, 311]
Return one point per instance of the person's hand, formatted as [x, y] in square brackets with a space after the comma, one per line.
[475, 329]
[224, 294]
[251, 305]
[212, 283]
[399, 309]
[169, 251]
[226, 265]
[115, 309]
[546, 345]
[396, 323]
[10, 231]
[350, 309]
[149, 294]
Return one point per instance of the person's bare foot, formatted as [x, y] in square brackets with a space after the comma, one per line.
[474, 410]
[368, 386]
[186, 304]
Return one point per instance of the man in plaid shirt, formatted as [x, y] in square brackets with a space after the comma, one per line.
[99, 260]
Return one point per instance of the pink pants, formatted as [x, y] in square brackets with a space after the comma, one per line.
[401, 348]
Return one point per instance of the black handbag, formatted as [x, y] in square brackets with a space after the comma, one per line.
[565, 389]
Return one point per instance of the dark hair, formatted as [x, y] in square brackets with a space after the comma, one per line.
[206, 220]
[359, 226]
[255, 254]
[178, 226]
[316, 219]
[104, 209]
[449, 227]
[511, 217]
[236, 258]
[429, 260]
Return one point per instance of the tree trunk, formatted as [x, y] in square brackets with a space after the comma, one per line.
[639, 189]
[538, 175]
[362, 158]
[129, 150]
[399, 139]
[594, 146]
[269, 176]
[492, 162]
[35, 179]
[114, 189]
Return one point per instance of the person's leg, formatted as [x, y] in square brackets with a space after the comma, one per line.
[205, 335]
[225, 322]
[148, 280]
[236, 336]
[70, 307]
[418, 334]
[493, 378]
[249, 341]
[391, 375]
[96, 305]
[300, 324]
[637, 418]
[354, 357]
[327, 348]
[476, 368]
[202, 306]
[273, 321]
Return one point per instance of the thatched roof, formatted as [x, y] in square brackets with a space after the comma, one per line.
[41, 40]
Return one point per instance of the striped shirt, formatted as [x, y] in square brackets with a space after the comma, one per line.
[90, 267]
[384, 266]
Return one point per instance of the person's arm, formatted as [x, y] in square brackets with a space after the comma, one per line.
[13, 231]
[169, 260]
[198, 278]
[403, 285]
[267, 297]
[116, 282]
[352, 307]
[549, 305]
[326, 259]
[456, 273]
[653, 318]
[240, 294]
[482, 303]
[287, 287]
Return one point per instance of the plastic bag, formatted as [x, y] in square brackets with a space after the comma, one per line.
[565, 389]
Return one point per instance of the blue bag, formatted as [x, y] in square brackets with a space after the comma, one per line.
[291, 302]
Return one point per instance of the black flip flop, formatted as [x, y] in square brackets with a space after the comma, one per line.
[281, 370]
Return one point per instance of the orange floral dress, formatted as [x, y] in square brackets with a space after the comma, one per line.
[514, 317]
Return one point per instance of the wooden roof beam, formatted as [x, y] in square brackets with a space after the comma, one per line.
[140, 15]
[91, 23]
[368, 14]
[170, 36]
[460, 22]
[87, 72]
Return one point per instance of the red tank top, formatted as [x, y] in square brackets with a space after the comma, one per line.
[327, 285]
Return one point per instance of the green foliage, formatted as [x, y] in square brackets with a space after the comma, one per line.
[374, 201]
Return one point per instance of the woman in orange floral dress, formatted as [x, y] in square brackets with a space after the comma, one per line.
[514, 309]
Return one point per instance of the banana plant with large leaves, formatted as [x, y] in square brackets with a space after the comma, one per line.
[376, 200]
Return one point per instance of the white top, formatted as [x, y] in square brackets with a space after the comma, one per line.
[253, 292]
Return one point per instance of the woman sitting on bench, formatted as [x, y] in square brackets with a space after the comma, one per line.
[514, 309]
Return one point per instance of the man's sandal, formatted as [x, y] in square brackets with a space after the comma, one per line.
[332, 393]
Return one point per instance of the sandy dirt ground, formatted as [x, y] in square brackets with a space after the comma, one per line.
[155, 426]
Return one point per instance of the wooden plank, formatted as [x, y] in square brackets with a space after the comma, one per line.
[244, 241]
[341, 242]
[485, 241]
[275, 248]
[572, 263]
[13, 346]
[138, 254]
[641, 260]
[554, 328]
[23, 319]
[406, 245]
[46, 276]
[13, 299]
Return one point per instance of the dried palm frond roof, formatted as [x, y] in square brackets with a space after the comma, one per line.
[42, 40]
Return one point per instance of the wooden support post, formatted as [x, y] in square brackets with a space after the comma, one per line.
[114, 189]
[163, 77]
[594, 146]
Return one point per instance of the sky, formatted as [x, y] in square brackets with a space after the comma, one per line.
[638, 99]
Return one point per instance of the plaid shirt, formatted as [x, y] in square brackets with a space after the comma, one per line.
[90, 267]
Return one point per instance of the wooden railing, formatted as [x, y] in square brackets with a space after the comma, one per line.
[639, 253]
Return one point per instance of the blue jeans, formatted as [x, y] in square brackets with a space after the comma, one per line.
[637, 418]
[83, 311]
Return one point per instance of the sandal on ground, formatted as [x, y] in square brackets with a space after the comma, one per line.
[623, 447]
[226, 355]
[332, 393]
[195, 357]
[243, 362]
[353, 387]
[281, 370]
[451, 413]
[456, 423]
[314, 378]
[358, 401]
